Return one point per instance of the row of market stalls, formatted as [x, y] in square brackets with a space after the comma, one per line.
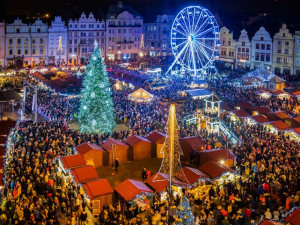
[291, 218]
[274, 122]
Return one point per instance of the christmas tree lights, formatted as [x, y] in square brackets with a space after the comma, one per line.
[184, 212]
[96, 114]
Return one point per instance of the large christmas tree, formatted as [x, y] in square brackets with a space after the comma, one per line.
[96, 114]
[184, 212]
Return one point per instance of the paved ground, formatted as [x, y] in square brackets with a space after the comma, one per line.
[132, 170]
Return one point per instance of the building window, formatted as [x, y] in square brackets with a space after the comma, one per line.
[268, 58]
[10, 51]
[75, 41]
[19, 51]
[243, 43]
[75, 50]
[119, 31]
[262, 57]
[279, 50]
[261, 38]
[33, 41]
[19, 41]
[41, 40]
[257, 46]
[286, 51]
[26, 51]
[124, 46]
[286, 60]
[70, 42]
[297, 50]
[41, 51]
[263, 46]
[18, 30]
[247, 50]
[10, 41]
[287, 43]
[268, 47]
[279, 60]
[70, 50]
[283, 35]
[33, 51]
[279, 42]
[39, 30]
[239, 49]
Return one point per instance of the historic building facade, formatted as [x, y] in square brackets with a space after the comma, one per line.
[57, 44]
[2, 44]
[158, 36]
[297, 53]
[124, 29]
[82, 34]
[227, 48]
[262, 52]
[243, 51]
[283, 51]
[26, 44]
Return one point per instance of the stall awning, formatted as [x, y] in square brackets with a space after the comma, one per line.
[193, 175]
[241, 113]
[294, 217]
[279, 92]
[131, 188]
[73, 161]
[214, 170]
[84, 174]
[156, 137]
[97, 188]
[279, 125]
[260, 119]
[109, 143]
[86, 147]
[297, 119]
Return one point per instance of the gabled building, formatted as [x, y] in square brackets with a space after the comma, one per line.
[158, 35]
[2, 44]
[261, 48]
[283, 51]
[57, 44]
[124, 28]
[82, 34]
[227, 48]
[297, 53]
[243, 51]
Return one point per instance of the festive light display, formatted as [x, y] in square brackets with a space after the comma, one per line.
[171, 150]
[96, 114]
[184, 212]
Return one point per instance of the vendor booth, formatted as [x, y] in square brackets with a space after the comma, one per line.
[216, 170]
[158, 140]
[141, 95]
[191, 146]
[198, 93]
[116, 150]
[99, 192]
[280, 94]
[238, 115]
[93, 154]
[222, 156]
[276, 126]
[139, 148]
[134, 193]
[293, 134]
[263, 94]
[293, 216]
[71, 162]
[194, 176]
[257, 119]
[84, 174]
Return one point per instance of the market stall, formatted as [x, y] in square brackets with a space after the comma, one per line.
[115, 149]
[84, 174]
[238, 115]
[71, 162]
[222, 156]
[276, 126]
[257, 119]
[157, 139]
[141, 95]
[263, 94]
[134, 193]
[139, 148]
[280, 94]
[293, 134]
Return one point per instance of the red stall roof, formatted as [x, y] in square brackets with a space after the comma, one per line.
[97, 188]
[260, 118]
[268, 222]
[2, 150]
[135, 139]
[297, 119]
[245, 105]
[156, 137]
[85, 173]
[279, 125]
[160, 181]
[6, 125]
[262, 110]
[86, 147]
[214, 170]
[241, 113]
[1, 179]
[108, 144]
[73, 161]
[297, 130]
[193, 175]
[294, 217]
[281, 115]
[131, 188]
[195, 142]
[217, 155]
[225, 106]
[296, 93]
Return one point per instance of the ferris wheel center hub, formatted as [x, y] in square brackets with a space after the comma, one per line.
[191, 38]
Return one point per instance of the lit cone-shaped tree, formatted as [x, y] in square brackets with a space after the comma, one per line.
[96, 114]
[184, 212]
[171, 150]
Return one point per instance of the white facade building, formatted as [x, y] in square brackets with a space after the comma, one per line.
[261, 49]
[158, 36]
[124, 27]
[57, 44]
[2, 44]
[243, 51]
[82, 34]
[297, 53]
[26, 44]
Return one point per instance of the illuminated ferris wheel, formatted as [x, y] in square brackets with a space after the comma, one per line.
[195, 39]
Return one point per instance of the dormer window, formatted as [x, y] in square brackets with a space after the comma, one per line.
[262, 38]
[39, 30]
[18, 30]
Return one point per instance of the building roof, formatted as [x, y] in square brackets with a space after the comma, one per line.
[279, 92]
[212, 98]
[297, 119]
[279, 125]
[199, 92]
[260, 118]
[194, 142]
[1, 163]
[156, 136]
[269, 222]
[217, 155]
[9, 95]
[193, 175]
[294, 217]
[276, 79]
[97, 188]
[140, 95]
[245, 105]
[241, 113]
[1, 179]
[73, 161]
[85, 173]
[296, 131]
[6, 125]
[108, 144]
[296, 93]
[262, 110]
[214, 170]
[225, 106]
[160, 181]
[86, 147]
[135, 139]
[131, 188]
[2, 140]
[2, 150]
[281, 115]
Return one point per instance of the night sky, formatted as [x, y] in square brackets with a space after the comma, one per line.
[231, 12]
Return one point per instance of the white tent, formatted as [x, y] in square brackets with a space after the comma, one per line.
[141, 95]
